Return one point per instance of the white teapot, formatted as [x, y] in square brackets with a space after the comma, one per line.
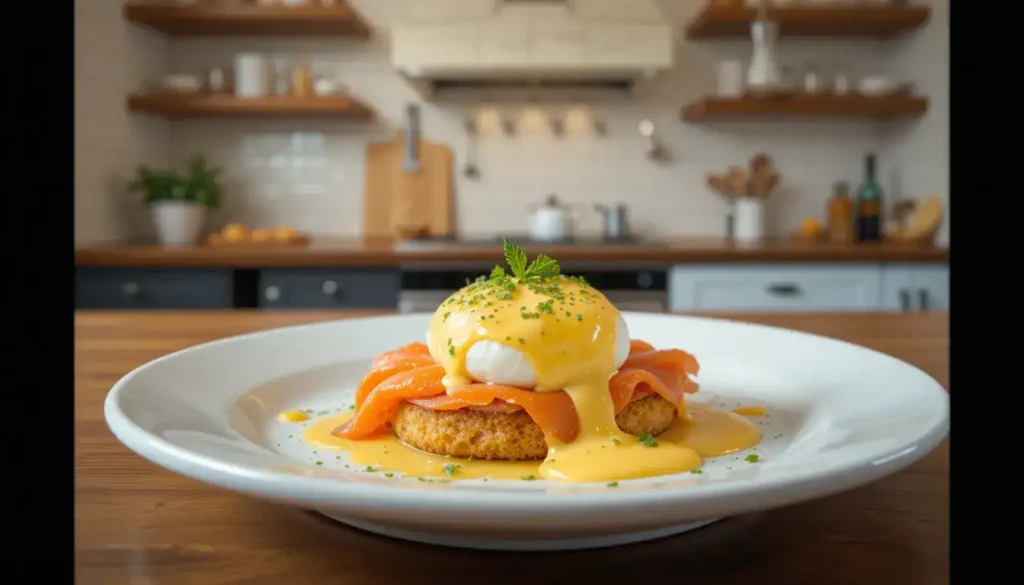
[552, 222]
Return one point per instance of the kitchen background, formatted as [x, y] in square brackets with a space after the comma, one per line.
[309, 172]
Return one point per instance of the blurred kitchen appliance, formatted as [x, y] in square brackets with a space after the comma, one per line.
[616, 224]
[515, 46]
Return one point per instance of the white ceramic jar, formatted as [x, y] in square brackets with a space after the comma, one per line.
[748, 220]
[252, 76]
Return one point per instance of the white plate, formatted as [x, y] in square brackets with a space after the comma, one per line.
[840, 416]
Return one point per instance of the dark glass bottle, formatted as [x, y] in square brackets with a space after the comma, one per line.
[870, 202]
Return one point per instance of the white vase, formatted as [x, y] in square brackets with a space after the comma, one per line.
[177, 223]
[748, 221]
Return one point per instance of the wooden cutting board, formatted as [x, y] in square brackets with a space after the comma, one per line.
[404, 204]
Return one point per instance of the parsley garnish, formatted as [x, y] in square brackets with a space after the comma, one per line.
[516, 258]
[529, 477]
[450, 469]
[696, 471]
[752, 458]
[389, 475]
[646, 439]
[613, 484]
[543, 266]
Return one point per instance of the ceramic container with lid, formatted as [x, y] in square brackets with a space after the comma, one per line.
[552, 221]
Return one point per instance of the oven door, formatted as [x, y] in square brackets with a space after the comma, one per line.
[421, 301]
[643, 301]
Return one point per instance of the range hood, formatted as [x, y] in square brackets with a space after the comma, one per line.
[530, 46]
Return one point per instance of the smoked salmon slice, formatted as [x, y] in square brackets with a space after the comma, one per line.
[376, 410]
[448, 402]
[663, 359]
[409, 373]
[414, 349]
[553, 412]
[387, 369]
[629, 385]
[637, 346]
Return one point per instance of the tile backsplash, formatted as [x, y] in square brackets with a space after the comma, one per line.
[309, 172]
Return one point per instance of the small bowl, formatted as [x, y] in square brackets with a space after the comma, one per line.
[877, 85]
[182, 83]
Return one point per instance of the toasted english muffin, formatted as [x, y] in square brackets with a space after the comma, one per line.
[508, 436]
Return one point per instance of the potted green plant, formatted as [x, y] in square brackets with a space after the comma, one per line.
[179, 200]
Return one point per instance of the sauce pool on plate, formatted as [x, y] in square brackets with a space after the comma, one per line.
[709, 432]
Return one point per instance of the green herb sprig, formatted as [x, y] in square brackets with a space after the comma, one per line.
[646, 439]
[543, 266]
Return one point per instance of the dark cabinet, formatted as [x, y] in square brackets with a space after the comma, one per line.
[328, 289]
[115, 288]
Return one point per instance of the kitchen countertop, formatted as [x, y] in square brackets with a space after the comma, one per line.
[358, 252]
[136, 523]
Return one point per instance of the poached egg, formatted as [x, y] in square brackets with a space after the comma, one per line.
[494, 362]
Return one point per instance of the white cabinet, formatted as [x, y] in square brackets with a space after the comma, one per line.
[810, 288]
[785, 287]
[915, 288]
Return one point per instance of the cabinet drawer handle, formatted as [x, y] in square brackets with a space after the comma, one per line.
[131, 289]
[905, 300]
[272, 294]
[331, 289]
[784, 289]
[922, 298]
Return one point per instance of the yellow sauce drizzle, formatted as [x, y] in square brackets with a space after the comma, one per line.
[710, 432]
[750, 410]
[292, 416]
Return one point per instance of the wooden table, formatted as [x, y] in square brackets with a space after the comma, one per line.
[136, 523]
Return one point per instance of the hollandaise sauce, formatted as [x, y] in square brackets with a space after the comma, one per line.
[709, 431]
[567, 333]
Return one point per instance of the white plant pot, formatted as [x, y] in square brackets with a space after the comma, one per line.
[748, 222]
[178, 223]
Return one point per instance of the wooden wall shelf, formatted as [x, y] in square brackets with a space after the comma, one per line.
[177, 19]
[178, 106]
[843, 106]
[811, 21]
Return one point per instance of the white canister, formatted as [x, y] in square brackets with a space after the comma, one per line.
[730, 78]
[252, 76]
[748, 222]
